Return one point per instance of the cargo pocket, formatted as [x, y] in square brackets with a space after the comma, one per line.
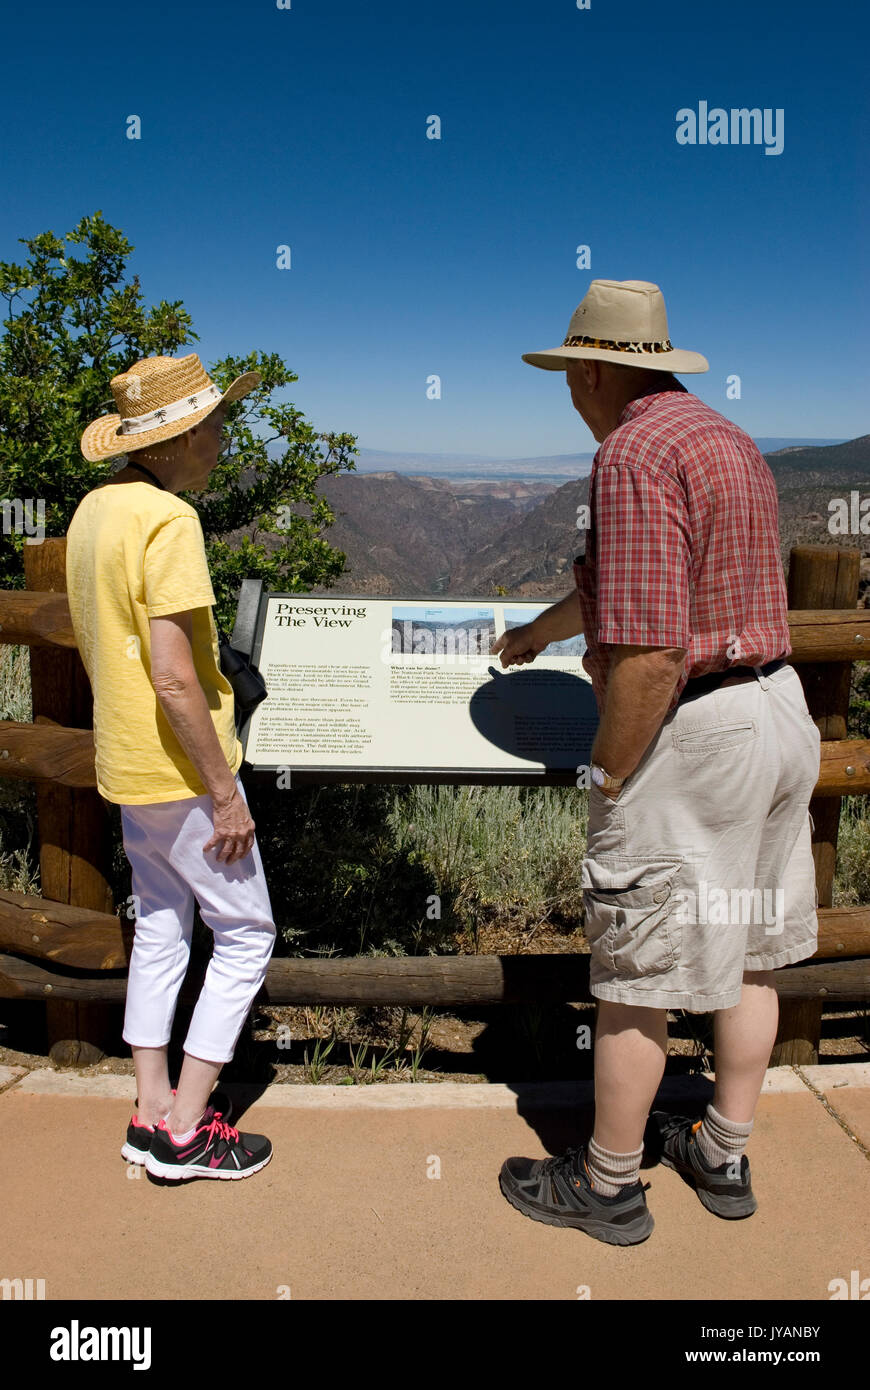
[631, 920]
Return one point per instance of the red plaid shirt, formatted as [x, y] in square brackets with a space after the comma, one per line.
[683, 546]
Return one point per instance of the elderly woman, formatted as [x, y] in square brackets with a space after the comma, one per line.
[167, 751]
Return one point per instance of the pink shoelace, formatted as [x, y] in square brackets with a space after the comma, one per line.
[219, 1129]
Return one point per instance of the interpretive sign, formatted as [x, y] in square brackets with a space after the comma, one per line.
[407, 689]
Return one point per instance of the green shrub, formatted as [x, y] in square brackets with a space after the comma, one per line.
[340, 884]
[852, 877]
[19, 871]
[385, 870]
[514, 851]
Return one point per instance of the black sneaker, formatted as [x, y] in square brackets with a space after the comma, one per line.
[139, 1135]
[214, 1150]
[724, 1191]
[559, 1192]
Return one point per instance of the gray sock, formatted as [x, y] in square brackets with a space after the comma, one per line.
[721, 1140]
[611, 1172]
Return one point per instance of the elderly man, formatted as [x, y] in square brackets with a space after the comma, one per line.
[702, 768]
[167, 753]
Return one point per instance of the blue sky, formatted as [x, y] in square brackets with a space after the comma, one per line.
[413, 257]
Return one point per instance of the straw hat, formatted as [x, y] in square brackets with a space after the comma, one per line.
[620, 321]
[158, 398]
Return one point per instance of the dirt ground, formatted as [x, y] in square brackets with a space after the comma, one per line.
[353, 1046]
[390, 1045]
[449, 1056]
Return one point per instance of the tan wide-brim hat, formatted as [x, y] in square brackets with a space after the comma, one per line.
[158, 398]
[620, 321]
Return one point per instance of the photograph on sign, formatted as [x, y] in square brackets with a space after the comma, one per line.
[423, 630]
[392, 685]
[569, 646]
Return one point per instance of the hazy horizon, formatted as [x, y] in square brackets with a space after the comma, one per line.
[562, 467]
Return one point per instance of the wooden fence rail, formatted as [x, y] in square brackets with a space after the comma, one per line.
[88, 940]
[45, 752]
[436, 980]
[68, 949]
[43, 620]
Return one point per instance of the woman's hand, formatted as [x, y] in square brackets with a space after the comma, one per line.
[233, 829]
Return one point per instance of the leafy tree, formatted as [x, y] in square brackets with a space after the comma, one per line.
[72, 322]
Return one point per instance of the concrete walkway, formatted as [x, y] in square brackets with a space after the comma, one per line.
[391, 1192]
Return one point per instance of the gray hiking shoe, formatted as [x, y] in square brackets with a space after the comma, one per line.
[560, 1192]
[726, 1191]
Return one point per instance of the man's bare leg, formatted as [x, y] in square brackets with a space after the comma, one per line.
[743, 1041]
[631, 1045]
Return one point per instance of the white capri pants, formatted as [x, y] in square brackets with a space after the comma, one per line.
[164, 844]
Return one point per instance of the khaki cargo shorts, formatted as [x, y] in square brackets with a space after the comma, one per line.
[701, 868]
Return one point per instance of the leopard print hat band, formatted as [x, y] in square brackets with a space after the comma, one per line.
[617, 345]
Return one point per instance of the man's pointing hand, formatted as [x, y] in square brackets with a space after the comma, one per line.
[519, 645]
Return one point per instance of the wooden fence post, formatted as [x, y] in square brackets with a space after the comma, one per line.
[819, 576]
[73, 826]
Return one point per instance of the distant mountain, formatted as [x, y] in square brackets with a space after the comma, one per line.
[405, 535]
[548, 467]
[838, 462]
[552, 467]
[398, 461]
[770, 444]
[414, 535]
[807, 480]
[532, 555]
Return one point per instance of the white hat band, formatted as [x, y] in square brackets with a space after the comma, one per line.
[174, 410]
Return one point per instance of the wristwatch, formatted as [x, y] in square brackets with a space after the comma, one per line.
[604, 780]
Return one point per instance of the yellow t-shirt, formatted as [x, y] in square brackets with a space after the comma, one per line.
[135, 553]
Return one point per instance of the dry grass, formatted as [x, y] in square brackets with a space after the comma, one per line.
[18, 860]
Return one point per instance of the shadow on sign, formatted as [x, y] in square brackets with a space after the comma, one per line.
[547, 717]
